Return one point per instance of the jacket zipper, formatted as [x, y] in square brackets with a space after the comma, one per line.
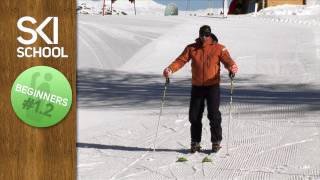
[203, 66]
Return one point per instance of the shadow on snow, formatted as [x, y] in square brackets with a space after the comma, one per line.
[127, 148]
[115, 89]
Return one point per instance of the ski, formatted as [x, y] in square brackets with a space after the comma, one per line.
[206, 159]
[197, 155]
[182, 159]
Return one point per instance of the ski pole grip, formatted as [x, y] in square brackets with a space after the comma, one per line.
[167, 80]
[231, 75]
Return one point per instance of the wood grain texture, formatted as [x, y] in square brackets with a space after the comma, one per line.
[281, 2]
[27, 152]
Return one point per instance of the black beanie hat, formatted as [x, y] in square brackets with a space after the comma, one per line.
[204, 30]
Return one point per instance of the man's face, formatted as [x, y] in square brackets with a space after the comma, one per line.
[204, 33]
[205, 36]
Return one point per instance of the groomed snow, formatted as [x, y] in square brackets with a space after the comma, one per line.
[275, 126]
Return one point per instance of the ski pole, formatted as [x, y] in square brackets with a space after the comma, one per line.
[231, 75]
[162, 103]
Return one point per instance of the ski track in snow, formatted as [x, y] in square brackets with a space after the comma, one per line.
[275, 132]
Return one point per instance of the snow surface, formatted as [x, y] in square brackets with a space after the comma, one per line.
[313, 2]
[291, 10]
[275, 125]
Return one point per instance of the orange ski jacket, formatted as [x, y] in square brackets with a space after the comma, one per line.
[205, 63]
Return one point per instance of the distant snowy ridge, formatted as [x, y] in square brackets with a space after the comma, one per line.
[291, 10]
[313, 2]
[146, 7]
[296, 14]
[143, 7]
[202, 12]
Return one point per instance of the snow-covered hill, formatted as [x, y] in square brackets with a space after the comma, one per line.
[301, 10]
[294, 14]
[144, 7]
[313, 2]
[274, 130]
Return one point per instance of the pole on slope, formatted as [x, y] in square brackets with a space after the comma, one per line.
[225, 5]
[160, 114]
[103, 7]
[111, 6]
[187, 7]
[231, 75]
[135, 11]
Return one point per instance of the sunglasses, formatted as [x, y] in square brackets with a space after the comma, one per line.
[205, 34]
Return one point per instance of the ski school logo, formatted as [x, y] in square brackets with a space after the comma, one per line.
[32, 52]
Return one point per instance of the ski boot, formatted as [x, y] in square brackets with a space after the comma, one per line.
[216, 147]
[195, 146]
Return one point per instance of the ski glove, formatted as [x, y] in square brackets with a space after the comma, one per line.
[231, 75]
[167, 72]
[234, 69]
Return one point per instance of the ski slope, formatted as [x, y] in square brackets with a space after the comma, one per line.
[275, 125]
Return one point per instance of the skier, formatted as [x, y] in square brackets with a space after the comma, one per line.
[206, 54]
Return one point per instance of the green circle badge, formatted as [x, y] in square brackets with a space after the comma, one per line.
[41, 96]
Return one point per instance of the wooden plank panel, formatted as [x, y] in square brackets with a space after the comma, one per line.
[27, 152]
[280, 2]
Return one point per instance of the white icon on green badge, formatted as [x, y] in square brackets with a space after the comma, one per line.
[41, 96]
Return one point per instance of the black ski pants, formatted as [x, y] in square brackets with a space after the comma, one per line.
[210, 94]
